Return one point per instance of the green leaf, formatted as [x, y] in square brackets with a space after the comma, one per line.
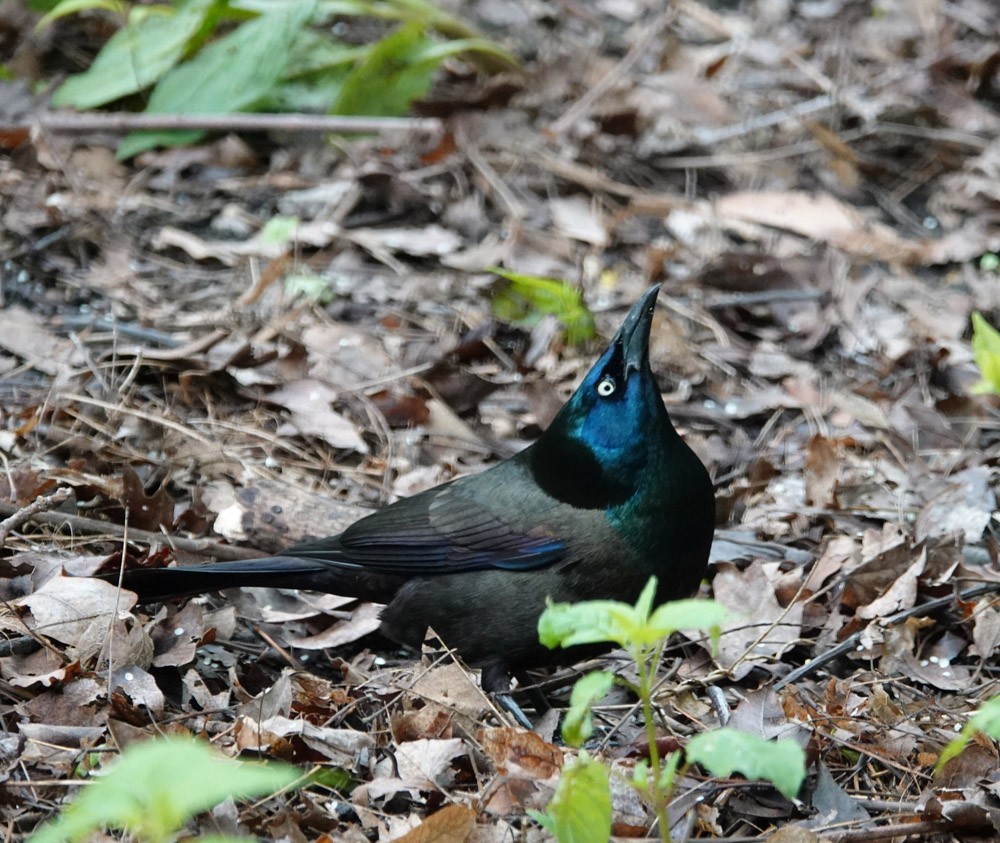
[313, 52]
[686, 614]
[597, 621]
[668, 775]
[279, 230]
[644, 605]
[580, 810]
[986, 720]
[139, 54]
[986, 350]
[396, 71]
[71, 7]
[335, 778]
[726, 751]
[487, 55]
[157, 786]
[311, 286]
[578, 725]
[589, 622]
[527, 297]
[235, 73]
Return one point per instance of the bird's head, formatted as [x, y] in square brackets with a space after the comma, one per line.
[608, 425]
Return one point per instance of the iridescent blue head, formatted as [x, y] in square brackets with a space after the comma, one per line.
[598, 447]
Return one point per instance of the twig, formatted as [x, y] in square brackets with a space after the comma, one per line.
[81, 523]
[121, 122]
[762, 297]
[925, 828]
[606, 82]
[596, 180]
[22, 645]
[851, 641]
[26, 513]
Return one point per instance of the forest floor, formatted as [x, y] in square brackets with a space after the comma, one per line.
[817, 187]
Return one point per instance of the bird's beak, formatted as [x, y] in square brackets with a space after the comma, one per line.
[633, 335]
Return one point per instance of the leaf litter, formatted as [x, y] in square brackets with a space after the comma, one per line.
[816, 188]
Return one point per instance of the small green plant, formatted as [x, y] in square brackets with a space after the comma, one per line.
[985, 721]
[527, 297]
[157, 786]
[986, 350]
[269, 58]
[642, 631]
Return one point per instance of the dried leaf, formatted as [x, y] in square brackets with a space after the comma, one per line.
[452, 824]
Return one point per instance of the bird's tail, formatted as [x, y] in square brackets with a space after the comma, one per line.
[153, 584]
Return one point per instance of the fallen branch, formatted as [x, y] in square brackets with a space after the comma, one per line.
[122, 122]
[20, 515]
[80, 523]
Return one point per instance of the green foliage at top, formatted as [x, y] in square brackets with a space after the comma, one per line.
[157, 786]
[226, 56]
[986, 350]
[986, 721]
[634, 628]
[527, 297]
[138, 55]
[400, 68]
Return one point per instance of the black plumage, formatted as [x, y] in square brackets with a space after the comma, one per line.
[607, 496]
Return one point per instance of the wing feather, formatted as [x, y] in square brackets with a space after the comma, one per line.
[444, 530]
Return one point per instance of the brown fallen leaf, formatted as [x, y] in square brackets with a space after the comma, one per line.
[760, 630]
[575, 217]
[309, 402]
[70, 609]
[452, 824]
[364, 620]
[821, 472]
[820, 217]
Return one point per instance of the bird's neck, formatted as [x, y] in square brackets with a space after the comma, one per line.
[568, 470]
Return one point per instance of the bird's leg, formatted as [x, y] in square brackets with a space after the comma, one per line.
[534, 691]
[496, 682]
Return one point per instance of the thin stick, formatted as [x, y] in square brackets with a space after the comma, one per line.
[82, 524]
[26, 513]
[121, 122]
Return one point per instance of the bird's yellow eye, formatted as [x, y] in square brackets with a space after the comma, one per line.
[606, 387]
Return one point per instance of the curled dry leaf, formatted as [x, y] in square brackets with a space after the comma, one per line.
[576, 218]
[347, 748]
[57, 747]
[432, 240]
[417, 766]
[140, 687]
[902, 594]
[309, 402]
[72, 609]
[451, 687]
[820, 217]
[529, 769]
[821, 472]
[760, 630]
[176, 635]
[364, 620]
[452, 824]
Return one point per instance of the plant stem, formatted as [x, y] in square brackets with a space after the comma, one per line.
[647, 663]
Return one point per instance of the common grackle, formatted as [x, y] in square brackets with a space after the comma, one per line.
[607, 496]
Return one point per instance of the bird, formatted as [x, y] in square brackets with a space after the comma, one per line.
[607, 496]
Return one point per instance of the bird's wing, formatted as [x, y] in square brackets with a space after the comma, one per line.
[444, 530]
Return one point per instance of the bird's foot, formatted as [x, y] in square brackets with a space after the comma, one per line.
[496, 679]
[506, 701]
